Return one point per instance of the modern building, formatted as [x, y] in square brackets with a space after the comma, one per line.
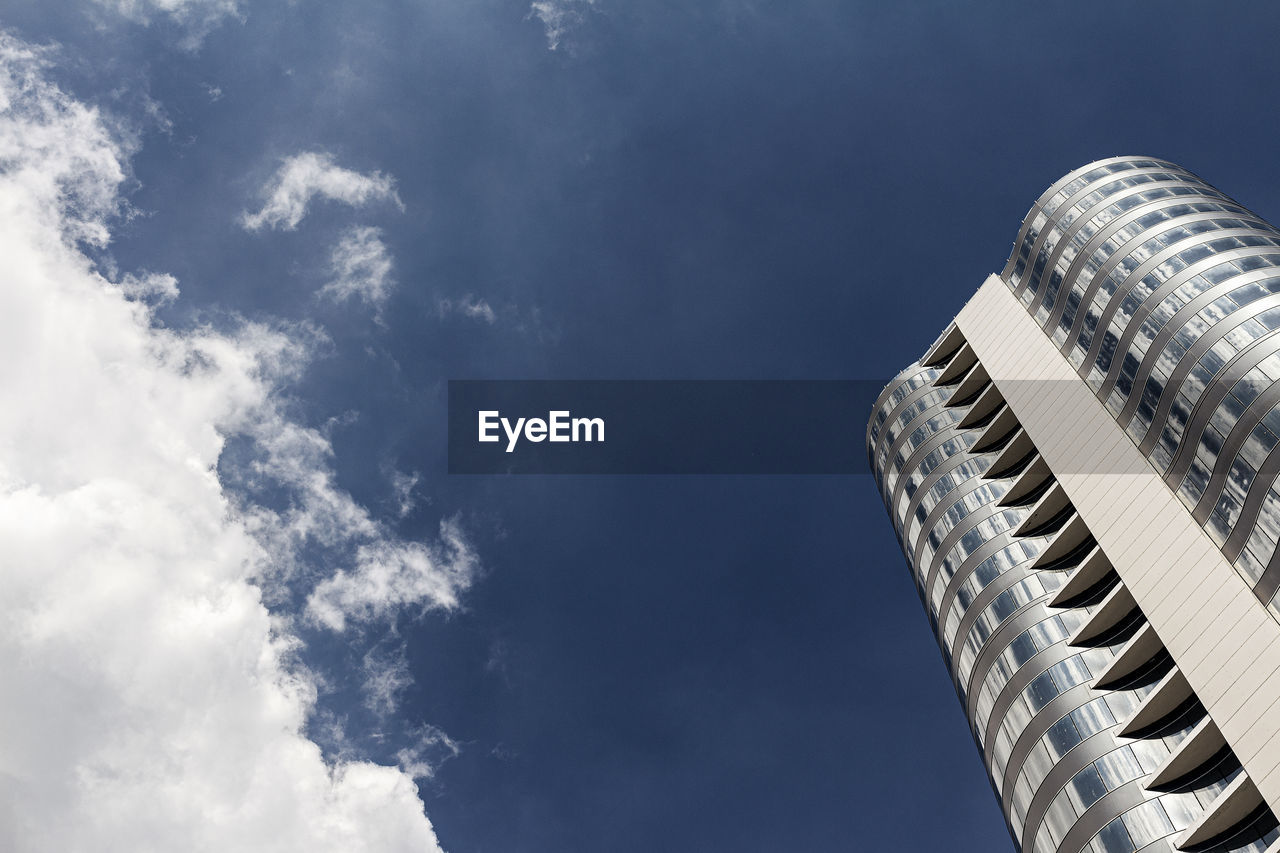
[1080, 472]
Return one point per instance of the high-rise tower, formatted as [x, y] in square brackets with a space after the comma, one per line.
[1081, 473]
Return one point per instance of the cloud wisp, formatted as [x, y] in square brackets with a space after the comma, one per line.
[507, 316]
[468, 306]
[361, 268]
[304, 177]
[152, 700]
[558, 17]
[196, 18]
[389, 576]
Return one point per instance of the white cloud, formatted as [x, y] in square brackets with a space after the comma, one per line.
[156, 287]
[361, 267]
[430, 749]
[386, 675]
[404, 484]
[389, 576]
[61, 165]
[467, 306]
[196, 17]
[558, 17]
[151, 701]
[530, 321]
[302, 177]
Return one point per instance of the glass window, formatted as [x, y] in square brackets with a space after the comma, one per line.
[1086, 788]
[1092, 718]
[1041, 690]
[1151, 754]
[1258, 446]
[1147, 822]
[1119, 766]
[1181, 809]
[1122, 703]
[1069, 673]
[1250, 566]
[1114, 838]
[1062, 737]
[1059, 817]
[1037, 765]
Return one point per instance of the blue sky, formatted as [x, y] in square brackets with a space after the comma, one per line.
[250, 242]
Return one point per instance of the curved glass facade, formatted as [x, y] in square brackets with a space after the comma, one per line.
[1163, 294]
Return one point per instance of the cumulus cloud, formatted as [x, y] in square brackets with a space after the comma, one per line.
[62, 165]
[303, 177]
[558, 17]
[152, 701]
[196, 17]
[361, 268]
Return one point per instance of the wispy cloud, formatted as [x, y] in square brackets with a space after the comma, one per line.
[558, 17]
[528, 321]
[152, 701]
[467, 306]
[386, 675]
[303, 177]
[404, 485]
[159, 288]
[361, 268]
[390, 576]
[430, 748]
[197, 18]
